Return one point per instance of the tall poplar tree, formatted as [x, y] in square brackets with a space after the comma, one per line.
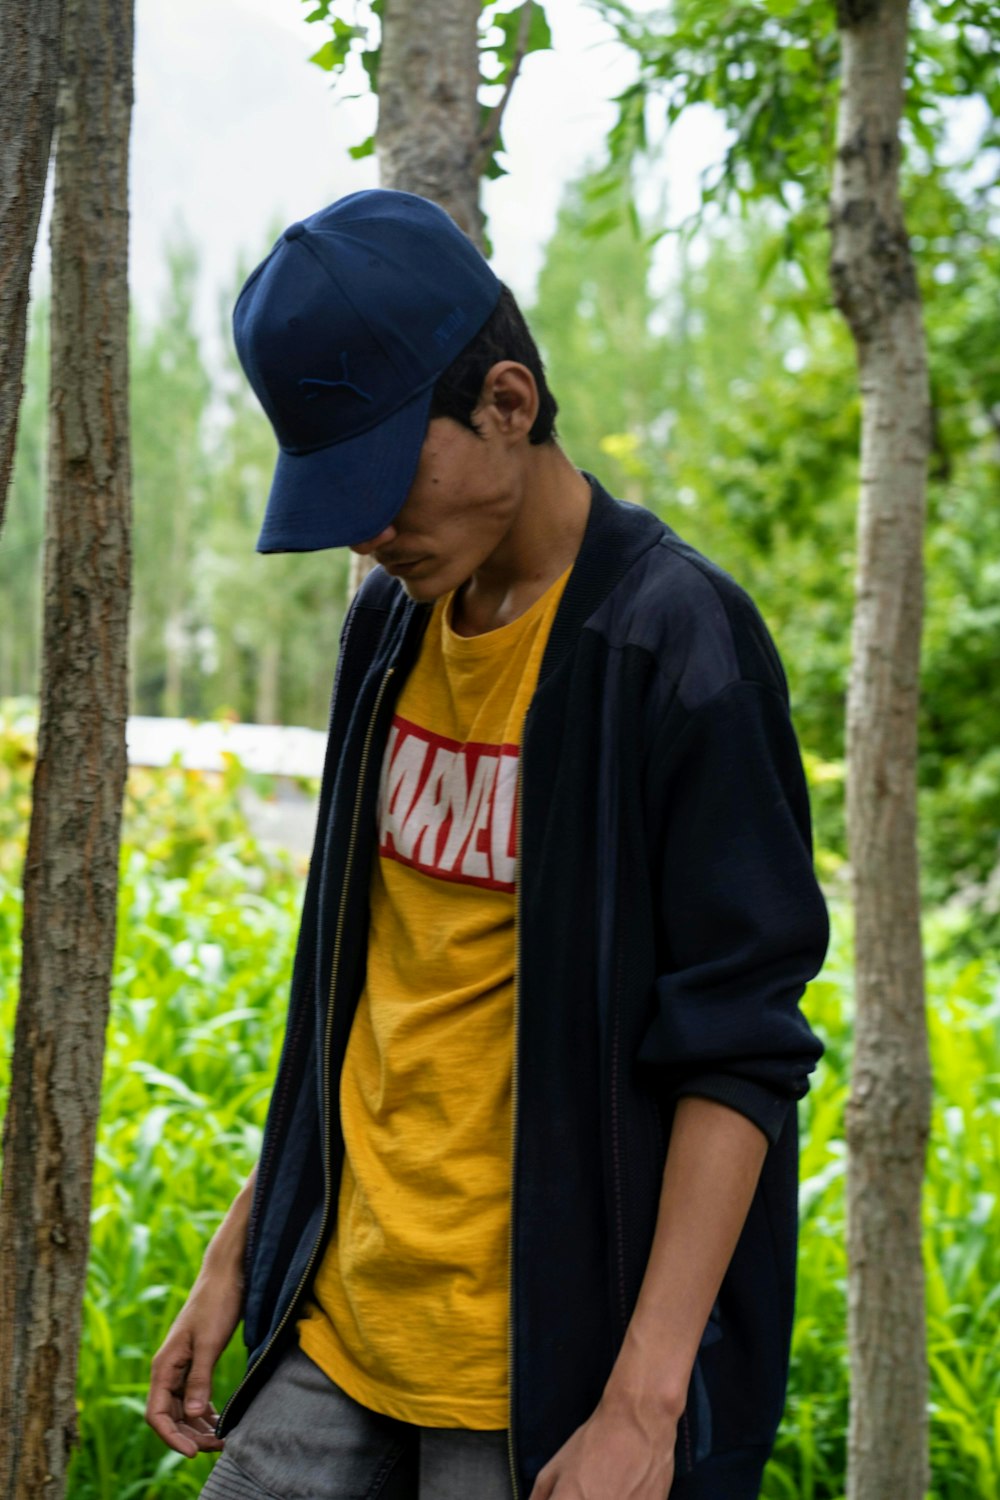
[71, 868]
[888, 1114]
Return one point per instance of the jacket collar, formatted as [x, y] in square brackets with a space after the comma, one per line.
[617, 533]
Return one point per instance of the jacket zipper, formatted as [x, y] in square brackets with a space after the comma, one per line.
[515, 1488]
[278, 1103]
[616, 1149]
[328, 1034]
[263, 1168]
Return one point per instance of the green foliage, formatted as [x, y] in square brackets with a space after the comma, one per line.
[356, 32]
[207, 923]
[592, 317]
[961, 1251]
[18, 744]
[770, 68]
[206, 927]
[169, 394]
[508, 23]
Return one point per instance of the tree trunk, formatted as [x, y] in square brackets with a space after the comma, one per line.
[428, 105]
[268, 683]
[173, 650]
[71, 868]
[30, 37]
[428, 119]
[889, 1108]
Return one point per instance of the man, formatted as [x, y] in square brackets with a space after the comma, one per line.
[524, 1220]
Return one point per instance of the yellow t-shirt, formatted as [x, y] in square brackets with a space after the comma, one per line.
[409, 1306]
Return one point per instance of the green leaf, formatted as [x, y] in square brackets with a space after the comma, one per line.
[327, 57]
[334, 53]
[370, 59]
[366, 148]
[540, 32]
[924, 133]
[769, 260]
[604, 223]
[539, 37]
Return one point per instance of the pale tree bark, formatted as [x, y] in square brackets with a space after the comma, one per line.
[173, 649]
[30, 38]
[71, 868]
[889, 1107]
[268, 683]
[429, 138]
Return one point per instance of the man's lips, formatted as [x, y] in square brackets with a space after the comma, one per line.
[400, 565]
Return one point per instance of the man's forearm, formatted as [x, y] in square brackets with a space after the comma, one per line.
[713, 1164]
[227, 1245]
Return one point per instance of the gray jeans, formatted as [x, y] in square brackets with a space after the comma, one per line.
[303, 1438]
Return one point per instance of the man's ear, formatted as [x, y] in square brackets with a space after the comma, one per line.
[509, 389]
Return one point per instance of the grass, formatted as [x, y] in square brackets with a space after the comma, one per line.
[207, 923]
[961, 1245]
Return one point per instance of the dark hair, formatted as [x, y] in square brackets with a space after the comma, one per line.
[504, 335]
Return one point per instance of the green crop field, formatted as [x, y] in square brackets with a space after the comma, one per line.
[207, 924]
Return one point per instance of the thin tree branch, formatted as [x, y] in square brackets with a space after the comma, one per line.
[490, 131]
[29, 78]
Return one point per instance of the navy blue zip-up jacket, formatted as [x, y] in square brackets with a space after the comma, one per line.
[668, 922]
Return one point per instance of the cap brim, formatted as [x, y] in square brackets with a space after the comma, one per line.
[347, 492]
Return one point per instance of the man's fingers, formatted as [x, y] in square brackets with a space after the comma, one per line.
[166, 1426]
[543, 1487]
[202, 1435]
[186, 1437]
[206, 1423]
[198, 1389]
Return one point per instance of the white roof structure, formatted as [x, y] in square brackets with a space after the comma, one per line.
[272, 749]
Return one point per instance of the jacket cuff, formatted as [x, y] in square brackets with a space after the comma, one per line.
[766, 1109]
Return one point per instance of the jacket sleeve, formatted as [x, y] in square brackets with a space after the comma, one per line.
[743, 922]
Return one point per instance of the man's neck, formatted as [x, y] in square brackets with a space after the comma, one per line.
[541, 544]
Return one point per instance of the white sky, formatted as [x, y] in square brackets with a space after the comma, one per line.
[234, 132]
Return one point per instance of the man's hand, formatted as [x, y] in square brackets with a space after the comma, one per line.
[621, 1453]
[179, 1408]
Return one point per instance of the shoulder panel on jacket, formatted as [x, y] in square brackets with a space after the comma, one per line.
[700, 625]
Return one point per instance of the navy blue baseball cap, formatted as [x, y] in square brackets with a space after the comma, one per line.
[343, 331]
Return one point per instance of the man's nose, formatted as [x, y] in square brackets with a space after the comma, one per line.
[364, 548]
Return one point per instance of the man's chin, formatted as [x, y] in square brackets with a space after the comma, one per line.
[425, 590]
